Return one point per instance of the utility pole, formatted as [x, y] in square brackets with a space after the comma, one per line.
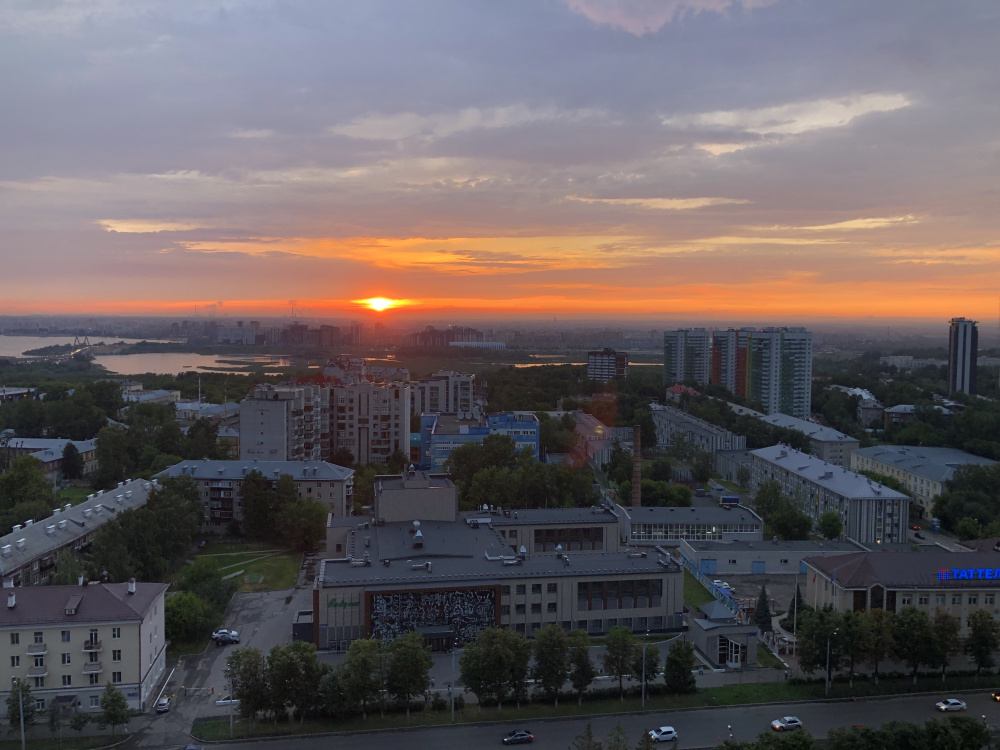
[644, 669]
[20, 706]
[828, 637]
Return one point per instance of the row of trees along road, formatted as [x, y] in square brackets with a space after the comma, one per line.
[290, 680]
[910, 636]
[496, 666]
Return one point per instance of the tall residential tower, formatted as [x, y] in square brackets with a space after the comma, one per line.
[963, 348]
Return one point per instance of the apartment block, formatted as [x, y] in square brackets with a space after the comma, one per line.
[701, 434]
[68, 642]
[963, 352]
[285, 423]
[687, 355]
[444, 392]
[779, 374]
[825, 443]
[371, 420]
[607, 365]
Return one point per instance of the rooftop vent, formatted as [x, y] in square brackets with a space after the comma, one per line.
[56, 511]
[5, 551]
[50, 529]
[131, 585]
[99, 508]
[62, 524]
[67, 506]
[11, 600]
[18, 527]
[21, 544]
[29, 522]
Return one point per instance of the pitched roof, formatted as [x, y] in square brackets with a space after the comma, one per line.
[238, 469]
[932, 569]
[936, 464]
[834, 478]
[48, 605]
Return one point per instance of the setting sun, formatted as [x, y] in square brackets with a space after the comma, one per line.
[378, 304]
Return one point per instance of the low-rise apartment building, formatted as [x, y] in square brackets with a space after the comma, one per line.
[703, 435]
[69, 642]
[220, 486]
[50, 452]
[825, 443]
[923, 471]
[871, 512]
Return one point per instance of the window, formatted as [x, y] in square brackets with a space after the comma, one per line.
[95, 700]
[520, 589]
[65, 659]
[783, 561]
[923, 599]
[973, 599]
[505, 591]
[519, 609]
[519, 628]
[504, 610]
[93, 657]
[15, 662]
[536, 588]
[15, 638]
[536, 608]
[906, 600]
[939, 599]
[39, 637]
[39, 682]
[95, 679]
[551, 607]
[39, 661]
[732, 561]
[67, 680]
[93, 635]
[581, 624]
[116, 654]
[116, 677]
[39, 704]
[64, 636]
[956, 598]
[553, 588]
[989, 598]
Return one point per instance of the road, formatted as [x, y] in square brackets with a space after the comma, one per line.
[696, 729]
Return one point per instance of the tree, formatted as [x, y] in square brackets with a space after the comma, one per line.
[202, 441]
[619, 466]
[301, 523]
[617, 738]
[72, 462]
[701, 467]
[331, 698]
[983, 640]
[830, 525]
[967, 528]
[358, 674]
[790, 621]
[342, 457]
[581, 667]
[114, 708]
[409, 666]
[972, 734]
[292, 675]
[78, 722]
[768, 498]
[19, 703]
[54, 718]
[187, 616]
[911, 634]
[619, 654]
[114, 461]
[257, 501]
[25, 482]
[551, 667]
[203, 578]
[585, 740]
[855, 634]
[68, 568]
[678, 668]
[762, 613]
[495, 665]
[816, 630]
[945, 641]
[743, 476]
[246, 670]
[648, 657]
[881, 644]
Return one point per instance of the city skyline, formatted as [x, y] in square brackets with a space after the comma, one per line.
[750, 162]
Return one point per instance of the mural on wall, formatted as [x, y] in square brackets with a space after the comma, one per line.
[468, 611]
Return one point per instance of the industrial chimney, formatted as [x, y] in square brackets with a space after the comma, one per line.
[636, 466]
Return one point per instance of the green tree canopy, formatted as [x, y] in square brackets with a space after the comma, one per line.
[678, 667]
[619, 654]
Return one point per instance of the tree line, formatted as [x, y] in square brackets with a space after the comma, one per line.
[783, 519]
[911, 636]
[76, 412]
[657, 488]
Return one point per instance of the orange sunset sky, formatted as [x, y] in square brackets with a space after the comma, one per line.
[708, 159]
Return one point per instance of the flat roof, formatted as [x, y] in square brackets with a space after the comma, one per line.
[709, 515]
[453, 552]
[936, 464]
[237, 469]
[764, 546]
[451, 424]
[837, 479]
[419, 480]
[547, 516]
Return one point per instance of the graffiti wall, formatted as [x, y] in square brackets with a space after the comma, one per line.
[468, 611]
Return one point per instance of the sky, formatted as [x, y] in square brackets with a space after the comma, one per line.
[708, 159]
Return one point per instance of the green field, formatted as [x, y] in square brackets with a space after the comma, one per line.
[263, 570]
[74, 495]
[177, 649]
[695, 595]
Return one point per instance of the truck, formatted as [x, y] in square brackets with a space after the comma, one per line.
[729, 501]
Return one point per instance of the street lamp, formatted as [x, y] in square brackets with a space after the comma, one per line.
[644, 669]
[830, 635]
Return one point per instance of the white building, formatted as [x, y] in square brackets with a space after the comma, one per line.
[687, 355]
[68, 642]
[871, 512]
[444, 392]
[826, 443]
[779, 371]
[371, 420]
[284, 423]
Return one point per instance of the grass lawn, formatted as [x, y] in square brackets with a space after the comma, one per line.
[730, 695]
[767, 660]
[731, 486]
[70, 741]
[74, 495]
[278, 571]
[695, 594]
[225, 548]
[177, 649]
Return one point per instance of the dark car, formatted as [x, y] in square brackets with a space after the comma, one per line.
[918, 535]
[995, 695]
[915, 528]
[518, 737]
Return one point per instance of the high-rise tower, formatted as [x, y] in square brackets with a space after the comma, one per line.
[963, 349]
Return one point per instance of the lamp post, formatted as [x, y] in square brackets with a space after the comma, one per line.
[451, 687]
[644, 669]
[828, 637]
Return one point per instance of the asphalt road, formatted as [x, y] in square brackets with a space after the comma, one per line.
[696, 729]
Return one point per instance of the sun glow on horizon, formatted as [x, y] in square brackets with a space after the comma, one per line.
[380, 304]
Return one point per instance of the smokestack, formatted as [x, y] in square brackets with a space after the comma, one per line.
[636, 466]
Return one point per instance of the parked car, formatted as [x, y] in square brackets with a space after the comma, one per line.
[228, 700]
[663, 734]
[918, 535]
[915, 528]
[163, 705]
[950, 704]
[786, 724]
[224, 636]
[518, 737]
[995, 695]
[722, 584]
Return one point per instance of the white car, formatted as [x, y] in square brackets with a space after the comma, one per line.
[163, 705]
[786, 724]
[224, 636]
[228, 700]
[950, 704]
[663, 734]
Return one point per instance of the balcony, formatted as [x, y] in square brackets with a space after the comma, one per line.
[37, 649]
[92, 646]
[38, 672]
[93, 667]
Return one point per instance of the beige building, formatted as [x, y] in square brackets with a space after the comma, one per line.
[68, 642]
[957, 582]
[416, 495]
[444, 392]
[371, 420]
[220, 485]
[285, 423]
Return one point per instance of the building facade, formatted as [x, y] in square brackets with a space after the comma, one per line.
[871, 512]
[702, 435]
[687, 355]
[68, 642]
[220, 486]
[444, 392]
[779, 372]
[285, 423]
[371, 420]
[730, 358]
[825, 443]
[655, 526]
[963, 353]
[923, 471]
[607, 365]
[440, 434]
